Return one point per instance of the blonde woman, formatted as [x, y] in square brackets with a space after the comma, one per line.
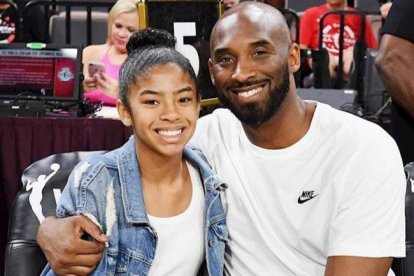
[103, 85]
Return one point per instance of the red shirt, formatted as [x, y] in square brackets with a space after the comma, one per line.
[309, 30]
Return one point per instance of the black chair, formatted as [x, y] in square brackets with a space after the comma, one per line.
[360, 48]
[293, 22]
[43, 182]
[78, 25]
[320, 68]
[407, 264]
[82, 26]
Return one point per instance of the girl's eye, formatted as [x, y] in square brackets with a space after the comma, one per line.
[185, 100]
[151, 102]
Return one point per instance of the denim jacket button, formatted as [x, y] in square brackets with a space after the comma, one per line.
[210, 243]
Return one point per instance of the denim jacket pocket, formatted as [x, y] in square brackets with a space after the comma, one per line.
[216, 243]
[220, 228]
[126, 262]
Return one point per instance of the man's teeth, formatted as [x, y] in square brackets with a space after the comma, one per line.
[249, 93]
[170, 133]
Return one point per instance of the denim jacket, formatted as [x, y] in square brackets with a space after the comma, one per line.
[108, 190]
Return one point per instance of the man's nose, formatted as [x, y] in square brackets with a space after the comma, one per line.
[243, 71]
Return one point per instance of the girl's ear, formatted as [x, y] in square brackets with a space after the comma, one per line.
[124, 113]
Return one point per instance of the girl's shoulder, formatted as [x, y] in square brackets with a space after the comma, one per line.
[94, 52]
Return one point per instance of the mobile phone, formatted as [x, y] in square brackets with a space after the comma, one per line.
[95, 68]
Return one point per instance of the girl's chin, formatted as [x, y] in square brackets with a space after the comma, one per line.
[121, 49]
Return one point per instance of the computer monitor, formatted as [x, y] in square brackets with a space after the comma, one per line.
[39, 72]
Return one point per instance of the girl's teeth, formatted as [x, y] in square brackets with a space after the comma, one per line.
[169, 133]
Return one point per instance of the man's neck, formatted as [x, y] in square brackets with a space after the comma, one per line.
[285, 128]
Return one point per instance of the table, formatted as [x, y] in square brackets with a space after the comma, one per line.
[25, 140]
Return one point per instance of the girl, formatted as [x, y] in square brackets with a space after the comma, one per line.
[157, 201]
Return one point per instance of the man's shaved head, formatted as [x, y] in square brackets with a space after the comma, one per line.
[260, 14]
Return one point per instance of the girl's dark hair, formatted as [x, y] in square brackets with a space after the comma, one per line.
[147, 48]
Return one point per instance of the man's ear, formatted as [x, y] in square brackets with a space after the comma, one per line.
[294, 58]
[124, 113]
[210, 69]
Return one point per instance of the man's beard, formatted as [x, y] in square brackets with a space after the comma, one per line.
[255, 114]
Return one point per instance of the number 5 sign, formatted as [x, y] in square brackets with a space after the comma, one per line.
[191, 22]
[180, 31]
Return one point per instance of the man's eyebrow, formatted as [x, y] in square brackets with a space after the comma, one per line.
[262, 42]
[220, 51]
[258, 43]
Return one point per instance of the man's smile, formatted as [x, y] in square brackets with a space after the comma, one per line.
[248, 90]
[249, 93]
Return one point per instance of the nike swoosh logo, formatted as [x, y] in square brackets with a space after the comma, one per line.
[300, 200]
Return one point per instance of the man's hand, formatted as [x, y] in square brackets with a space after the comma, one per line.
[66, 252]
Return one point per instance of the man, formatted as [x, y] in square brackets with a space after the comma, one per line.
[309, 33]
[311, 190]
[395, 63]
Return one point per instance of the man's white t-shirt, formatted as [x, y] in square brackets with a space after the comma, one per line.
[337, 191]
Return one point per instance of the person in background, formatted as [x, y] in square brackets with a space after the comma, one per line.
[157, 201]
[395, 64]
[311, 190]
[309, 34]
[8, 23]
[102, 87]
[230, 3]
[274, 3]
